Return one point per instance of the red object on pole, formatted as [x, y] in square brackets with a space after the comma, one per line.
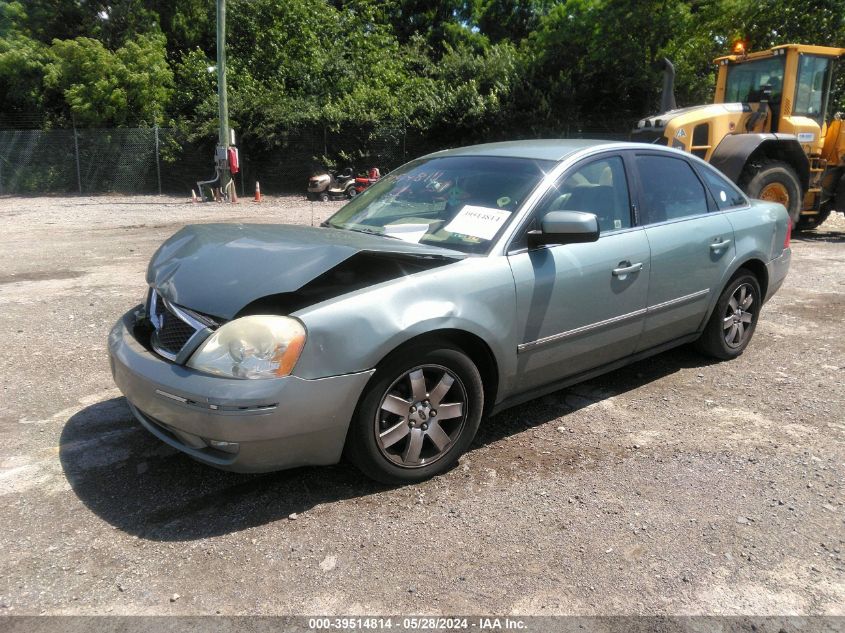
[234, 167]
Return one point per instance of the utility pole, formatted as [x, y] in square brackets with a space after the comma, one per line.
[222, 157]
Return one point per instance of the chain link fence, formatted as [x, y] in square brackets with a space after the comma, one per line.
[162, 160]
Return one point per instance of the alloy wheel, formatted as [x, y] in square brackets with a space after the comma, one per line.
[739, 315]
[421, 415]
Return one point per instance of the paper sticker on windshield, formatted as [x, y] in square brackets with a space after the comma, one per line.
[480, 222]
[407, 232]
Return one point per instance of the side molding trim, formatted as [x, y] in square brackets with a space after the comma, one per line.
[523, 347]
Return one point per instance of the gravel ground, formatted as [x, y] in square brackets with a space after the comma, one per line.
[673, 486]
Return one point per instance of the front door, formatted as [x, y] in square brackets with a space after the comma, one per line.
[580, 306]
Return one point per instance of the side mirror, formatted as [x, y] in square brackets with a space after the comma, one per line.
[565, 227]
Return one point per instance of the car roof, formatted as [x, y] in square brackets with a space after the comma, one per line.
[541, 149]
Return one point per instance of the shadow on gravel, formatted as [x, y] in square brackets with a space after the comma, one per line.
[560, 403]
[833, 237]
[150, 490]
[142, 486]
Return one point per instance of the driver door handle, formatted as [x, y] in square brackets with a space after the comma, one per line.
[715, 246]
[624, 270]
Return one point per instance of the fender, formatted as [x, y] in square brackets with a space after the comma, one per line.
[354, 332]
[734, 151]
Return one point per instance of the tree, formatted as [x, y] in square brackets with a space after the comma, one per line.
[22, 62]
[130, 86]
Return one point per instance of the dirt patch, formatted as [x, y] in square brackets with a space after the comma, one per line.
[40, 276]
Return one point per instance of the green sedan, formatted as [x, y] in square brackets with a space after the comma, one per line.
[463, 283]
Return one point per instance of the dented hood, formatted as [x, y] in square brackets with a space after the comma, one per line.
[218, 269]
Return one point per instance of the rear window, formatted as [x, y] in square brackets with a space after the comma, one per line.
[671, 190]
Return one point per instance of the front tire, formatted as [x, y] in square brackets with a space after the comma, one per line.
[775, 181]
[734, 318]
[417, 416]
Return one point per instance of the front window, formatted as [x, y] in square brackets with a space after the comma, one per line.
[457, 202]
[746, 80]
[813, 85]
[598, 187]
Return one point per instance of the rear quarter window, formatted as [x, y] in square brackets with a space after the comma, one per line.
[724, 192]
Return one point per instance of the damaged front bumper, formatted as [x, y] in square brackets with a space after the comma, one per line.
[239, 425]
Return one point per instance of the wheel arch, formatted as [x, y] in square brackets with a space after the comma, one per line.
[755, 266]
[736, 151]
[472, 345]
[758, 269]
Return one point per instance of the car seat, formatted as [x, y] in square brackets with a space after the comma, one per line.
[598, 199]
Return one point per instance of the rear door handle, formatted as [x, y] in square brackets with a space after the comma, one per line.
[715, 246]
[624, 270]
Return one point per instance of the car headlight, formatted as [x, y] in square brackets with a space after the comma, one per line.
[251, 347]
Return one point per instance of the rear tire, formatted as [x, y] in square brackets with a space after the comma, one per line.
[775, 181]
[417, 416]
[734, 318]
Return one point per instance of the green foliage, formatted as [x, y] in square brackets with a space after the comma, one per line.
[510, 20]
[454, 70]
[22, 62]
[130, 86]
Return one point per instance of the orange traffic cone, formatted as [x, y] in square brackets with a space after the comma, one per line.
[194, 196]
[257, 192]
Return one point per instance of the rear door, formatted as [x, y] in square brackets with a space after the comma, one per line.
[691, 241]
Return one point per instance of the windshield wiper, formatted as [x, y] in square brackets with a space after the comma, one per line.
[372, 232]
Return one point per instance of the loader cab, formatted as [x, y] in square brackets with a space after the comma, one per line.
[799, 78]
[769, 130]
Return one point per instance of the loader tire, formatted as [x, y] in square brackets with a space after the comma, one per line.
[774, 181]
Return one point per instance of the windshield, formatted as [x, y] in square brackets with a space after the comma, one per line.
[458, 202]
[746, 80]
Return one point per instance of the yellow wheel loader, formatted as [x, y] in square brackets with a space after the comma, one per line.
[768, 128]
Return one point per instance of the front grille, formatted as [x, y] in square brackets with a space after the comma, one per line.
[173, 326]
[173, 332]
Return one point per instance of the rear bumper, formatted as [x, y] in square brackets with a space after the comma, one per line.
[240, 425]
[777, 269]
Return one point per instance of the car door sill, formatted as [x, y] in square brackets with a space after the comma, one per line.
[537, 392]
